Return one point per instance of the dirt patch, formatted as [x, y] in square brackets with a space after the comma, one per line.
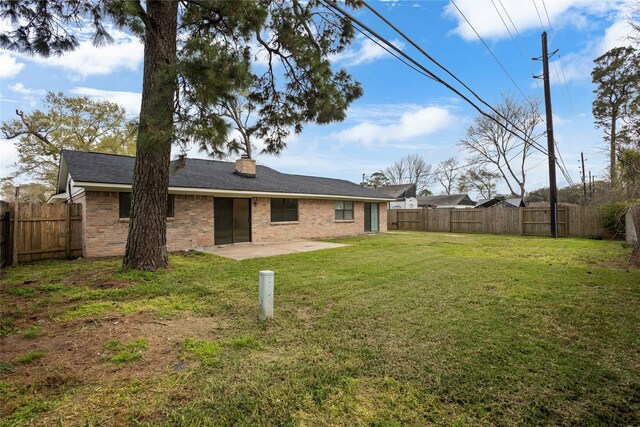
[111, 284]
[90, 277]
[616, 265]
[74, 351]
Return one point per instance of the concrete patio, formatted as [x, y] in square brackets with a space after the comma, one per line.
[240, 251]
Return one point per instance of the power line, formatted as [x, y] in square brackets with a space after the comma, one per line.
[438, 64]
[490, 51]
[414, 44]
[390, 52]
[512, 38]
[354, 20]
[566, 87]
[538, 13]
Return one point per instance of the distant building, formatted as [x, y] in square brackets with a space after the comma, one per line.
[405, 195]
[457, 201]
[398, 192]
[516, 202]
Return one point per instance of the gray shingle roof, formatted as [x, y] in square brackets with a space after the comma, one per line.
[209, 174]
[397, 190]
[446, 200]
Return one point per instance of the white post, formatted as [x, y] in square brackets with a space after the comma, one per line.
[265, 294]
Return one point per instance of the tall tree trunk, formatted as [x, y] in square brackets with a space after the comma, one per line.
[612, 151]
[147, 240]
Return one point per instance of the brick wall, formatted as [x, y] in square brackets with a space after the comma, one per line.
[105, 234]
[316, 219]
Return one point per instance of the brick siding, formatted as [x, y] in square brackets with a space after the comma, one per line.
[105, 234]
[316, 220]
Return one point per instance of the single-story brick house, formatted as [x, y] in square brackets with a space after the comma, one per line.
[215, 202]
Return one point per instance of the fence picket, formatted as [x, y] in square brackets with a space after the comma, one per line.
[575, 221]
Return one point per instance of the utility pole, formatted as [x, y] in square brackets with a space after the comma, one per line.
[553, 189]
[584, 182]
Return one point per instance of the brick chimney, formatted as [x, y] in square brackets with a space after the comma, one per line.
[246, 167]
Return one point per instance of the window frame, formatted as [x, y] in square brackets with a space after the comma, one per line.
[279, 211]
[125, 198]
[341, 210]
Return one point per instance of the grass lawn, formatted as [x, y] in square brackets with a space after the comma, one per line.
[395, 329]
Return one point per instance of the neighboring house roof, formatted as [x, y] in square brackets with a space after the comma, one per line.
[446, 200]
[399, 191]
[97, 170]
[501, 200]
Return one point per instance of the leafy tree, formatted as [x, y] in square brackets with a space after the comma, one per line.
[411, 169]
[480, 180]
[376, 179]
[617, 76]
[29, 193]
[447, 173]
[66, 122]
[571, 194]
[185, 82]
[493, 145]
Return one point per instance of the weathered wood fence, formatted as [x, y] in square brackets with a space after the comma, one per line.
[40, 231]
[5, 243]
[574, 221]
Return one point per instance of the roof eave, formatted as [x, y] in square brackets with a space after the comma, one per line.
[98, 186]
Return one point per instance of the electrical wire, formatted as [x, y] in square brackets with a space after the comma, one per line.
[354, 20]
[513, 38]
[564, 77]
[490, 51]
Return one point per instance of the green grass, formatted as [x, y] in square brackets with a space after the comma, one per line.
[30, 357]
[121, 354]
[32, 332]
[204, 351]
[396, 329]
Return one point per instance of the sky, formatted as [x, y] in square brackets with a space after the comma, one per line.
[401, 111]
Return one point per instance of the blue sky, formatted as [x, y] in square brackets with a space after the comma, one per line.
[401, 112]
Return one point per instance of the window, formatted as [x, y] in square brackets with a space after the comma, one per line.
[344, 210]
[125, 205]
[284, 210]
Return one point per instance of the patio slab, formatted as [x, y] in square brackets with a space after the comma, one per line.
[240, 251]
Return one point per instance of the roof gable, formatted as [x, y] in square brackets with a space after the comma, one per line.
[398, 191]
[446, 200]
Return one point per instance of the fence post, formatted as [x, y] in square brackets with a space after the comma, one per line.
[521, 220]
[67, 229]
[16, 211]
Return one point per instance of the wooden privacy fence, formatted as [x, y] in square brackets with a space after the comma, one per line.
[573, 221]
[41, 231]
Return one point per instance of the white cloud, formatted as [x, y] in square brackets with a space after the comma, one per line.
[9, 67]
[23, 90]
[89, 60]
[364, 51]
[130, 101]
[410, 125]
[8, 158]
[615, 36]
[578, 65]
[489, 22]
[28, 96]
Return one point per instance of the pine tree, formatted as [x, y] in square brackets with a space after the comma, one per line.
[184, 82]
[617, 76]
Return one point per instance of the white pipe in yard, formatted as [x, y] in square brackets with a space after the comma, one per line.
[265, 294]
